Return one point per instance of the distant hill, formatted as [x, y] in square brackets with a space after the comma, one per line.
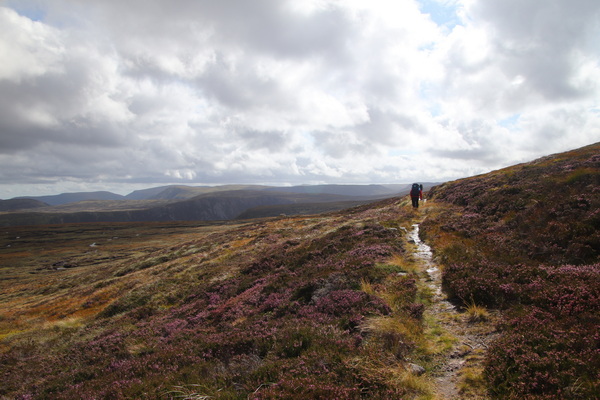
[145, 194]
[181, 192]
[345, 190]
[370, 191]
[178, 192]
[191, 203]
[65, 198]
[20, 204]
[214, 206]
[174, 192]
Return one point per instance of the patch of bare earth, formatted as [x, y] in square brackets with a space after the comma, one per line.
[468, 332]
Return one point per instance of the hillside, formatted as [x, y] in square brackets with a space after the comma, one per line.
[175, 204]
[65, 198]
[20, 204]
[159, 310]
[526, 240]
[299, 209]
[178, 192]
[546, 211]
[183, 192]
[339, 305]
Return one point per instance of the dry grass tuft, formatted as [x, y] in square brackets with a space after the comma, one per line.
[188, 392]
[392, 330]
[404, 264]
[471, 381]
[476, 313]
[367, 287]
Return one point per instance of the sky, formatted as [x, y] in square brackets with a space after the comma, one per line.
[123, 95]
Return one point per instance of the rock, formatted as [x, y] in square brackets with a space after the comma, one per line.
[415, 369]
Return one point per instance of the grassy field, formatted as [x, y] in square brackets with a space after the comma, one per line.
[49, 273]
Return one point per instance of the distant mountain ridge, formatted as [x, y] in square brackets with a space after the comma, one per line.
[173, 192]
[189, 203]
[346, 190]
[177, 192]
[20, 204]
[64, 198]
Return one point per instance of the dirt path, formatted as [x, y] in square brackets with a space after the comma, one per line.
[459, 373]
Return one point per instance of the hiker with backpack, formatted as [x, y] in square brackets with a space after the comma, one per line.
[416, 193]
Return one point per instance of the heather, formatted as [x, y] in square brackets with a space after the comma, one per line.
[525, 240]
[303, 307]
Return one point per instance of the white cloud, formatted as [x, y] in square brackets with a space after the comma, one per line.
[123, 93]
[30, 48]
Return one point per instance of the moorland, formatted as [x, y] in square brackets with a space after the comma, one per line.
[320, 306]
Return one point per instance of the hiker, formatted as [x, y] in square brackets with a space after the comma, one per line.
[416, 193]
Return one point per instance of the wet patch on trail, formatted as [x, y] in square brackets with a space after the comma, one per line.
[459, 374]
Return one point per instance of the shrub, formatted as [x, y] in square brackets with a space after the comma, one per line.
[543, 356]
[526, 239]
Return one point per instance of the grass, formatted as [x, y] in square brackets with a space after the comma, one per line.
[188, 392]
[367, 287]
[402, 263]
[471, 381]
[437, 339]
[476, 313]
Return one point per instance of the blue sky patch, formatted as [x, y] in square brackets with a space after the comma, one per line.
[443, 13]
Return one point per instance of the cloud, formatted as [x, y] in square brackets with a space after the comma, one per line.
[542, 46]
[112, 94]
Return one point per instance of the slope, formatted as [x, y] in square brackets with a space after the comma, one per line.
[525, 240]
[161, 311]
[171, 205]
[318, 306]
[20, 204]
[65, 198]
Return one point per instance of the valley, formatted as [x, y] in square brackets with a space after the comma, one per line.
[191, 203]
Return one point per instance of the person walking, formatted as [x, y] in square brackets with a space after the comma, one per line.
[416, 193]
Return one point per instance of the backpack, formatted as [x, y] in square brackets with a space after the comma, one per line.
[416, 190]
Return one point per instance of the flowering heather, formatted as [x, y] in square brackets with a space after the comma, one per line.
[260, 310]
[526, 239]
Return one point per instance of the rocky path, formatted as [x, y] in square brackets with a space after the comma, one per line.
[459, 373]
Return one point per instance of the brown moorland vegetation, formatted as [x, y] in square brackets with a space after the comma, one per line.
[303, 307]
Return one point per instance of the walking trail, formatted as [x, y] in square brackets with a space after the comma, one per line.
[459, 375]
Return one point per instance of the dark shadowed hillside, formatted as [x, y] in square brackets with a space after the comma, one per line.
[299, 209]
[178, 192]
[65, 198]
[216, 204]
[20, 204]
[526, 240]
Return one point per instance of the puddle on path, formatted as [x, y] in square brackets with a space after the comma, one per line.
[425, 257]
[472, 339]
